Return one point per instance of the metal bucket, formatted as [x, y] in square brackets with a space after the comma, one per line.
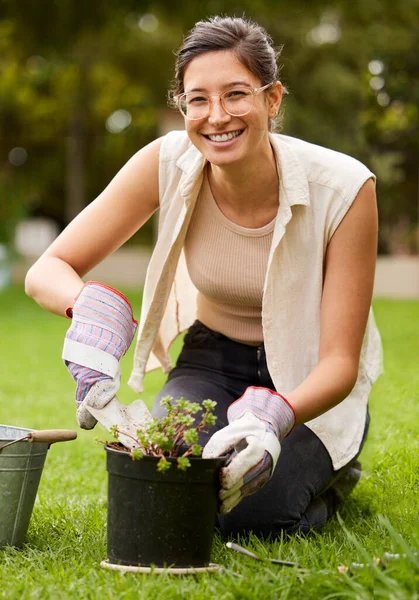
[21, 467]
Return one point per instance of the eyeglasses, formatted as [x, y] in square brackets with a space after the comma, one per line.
[236, 102]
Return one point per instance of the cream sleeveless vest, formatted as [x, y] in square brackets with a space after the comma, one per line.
[317, 188]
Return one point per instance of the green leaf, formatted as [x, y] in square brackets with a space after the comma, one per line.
[187, 420]
[163, 465]
[114, 431]
[153, 425]
[209, 404]
[157, 438]
[166, 444]
[137, 454]
[181, 405]
[183, 463]
[194, 407]
[170, 431]
[190, 436]
[143, 438]
[209, 419]
[196, 450]
[166, 402]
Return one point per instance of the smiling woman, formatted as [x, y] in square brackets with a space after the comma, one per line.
[265, 256]
[234, 108]
[230, 111]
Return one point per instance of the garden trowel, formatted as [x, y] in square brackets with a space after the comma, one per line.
[127, 418]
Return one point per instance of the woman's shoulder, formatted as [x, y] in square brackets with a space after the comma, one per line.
[173, 145]
[325, 166]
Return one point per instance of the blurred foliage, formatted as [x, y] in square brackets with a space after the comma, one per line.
[11, 211]
[82, 86]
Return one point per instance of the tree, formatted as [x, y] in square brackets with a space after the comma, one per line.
[95, 76]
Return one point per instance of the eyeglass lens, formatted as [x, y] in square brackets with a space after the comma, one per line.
[196, 105]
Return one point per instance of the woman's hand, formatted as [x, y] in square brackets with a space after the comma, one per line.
[101, 332]
[258, 421]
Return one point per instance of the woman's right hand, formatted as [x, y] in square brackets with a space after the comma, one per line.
[101, 332]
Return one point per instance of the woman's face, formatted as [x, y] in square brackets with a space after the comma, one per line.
[213, 73]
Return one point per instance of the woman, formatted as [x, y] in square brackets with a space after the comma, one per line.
[266, 254]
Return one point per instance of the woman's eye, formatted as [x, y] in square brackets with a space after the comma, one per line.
[196, 99]
[236, 93]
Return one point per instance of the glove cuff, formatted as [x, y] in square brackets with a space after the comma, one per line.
[102, 306]
[269, 406]
[98, 284]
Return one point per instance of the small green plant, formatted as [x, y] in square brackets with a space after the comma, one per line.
[174, 435]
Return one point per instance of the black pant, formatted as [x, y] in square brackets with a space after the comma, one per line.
[296, 498]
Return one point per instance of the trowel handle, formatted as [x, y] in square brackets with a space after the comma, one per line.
[52, 435]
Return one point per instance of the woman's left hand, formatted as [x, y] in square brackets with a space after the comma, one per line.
[257, 422]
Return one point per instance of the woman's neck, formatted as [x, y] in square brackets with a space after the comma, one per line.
[247, 195]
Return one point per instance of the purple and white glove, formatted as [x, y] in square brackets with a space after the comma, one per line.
[258, 421]
[101, 332]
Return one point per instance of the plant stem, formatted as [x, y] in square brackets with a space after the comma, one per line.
[128, 435]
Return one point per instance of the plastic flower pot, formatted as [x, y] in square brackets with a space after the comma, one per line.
[161, 519]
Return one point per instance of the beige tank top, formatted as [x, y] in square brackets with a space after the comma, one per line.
[227, 264]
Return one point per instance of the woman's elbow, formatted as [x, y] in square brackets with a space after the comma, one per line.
[343, 374]
[350, 370]
[37, 276]
[30, 282]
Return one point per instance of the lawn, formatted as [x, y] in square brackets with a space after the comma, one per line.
[67, 534]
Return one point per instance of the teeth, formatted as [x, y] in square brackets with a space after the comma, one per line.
[225, 137]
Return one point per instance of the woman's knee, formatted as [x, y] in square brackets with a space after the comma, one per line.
[269, 512]
[275, 525]
[260, 524]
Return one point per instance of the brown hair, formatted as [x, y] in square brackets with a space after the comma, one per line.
[251, 43]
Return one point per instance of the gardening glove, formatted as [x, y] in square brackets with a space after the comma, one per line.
[258, 421]
[101, 332]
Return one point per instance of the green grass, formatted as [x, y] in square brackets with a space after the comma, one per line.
[67, 534]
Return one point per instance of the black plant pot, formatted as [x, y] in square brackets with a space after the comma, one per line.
[161, 518]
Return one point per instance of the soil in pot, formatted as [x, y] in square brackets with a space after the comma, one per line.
[161, 518]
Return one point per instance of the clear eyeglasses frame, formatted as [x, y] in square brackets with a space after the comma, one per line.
[237, 102]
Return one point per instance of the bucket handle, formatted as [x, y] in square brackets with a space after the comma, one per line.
[52, 435]
[49, 436]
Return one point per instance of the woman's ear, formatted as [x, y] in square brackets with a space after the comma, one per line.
[275, 99]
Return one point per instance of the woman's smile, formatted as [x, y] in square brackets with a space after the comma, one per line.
[224, 138]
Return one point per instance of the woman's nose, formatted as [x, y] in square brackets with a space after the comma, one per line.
[217, 113]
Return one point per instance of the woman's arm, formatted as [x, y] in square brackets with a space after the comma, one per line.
[347, 292]
[103, 226]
